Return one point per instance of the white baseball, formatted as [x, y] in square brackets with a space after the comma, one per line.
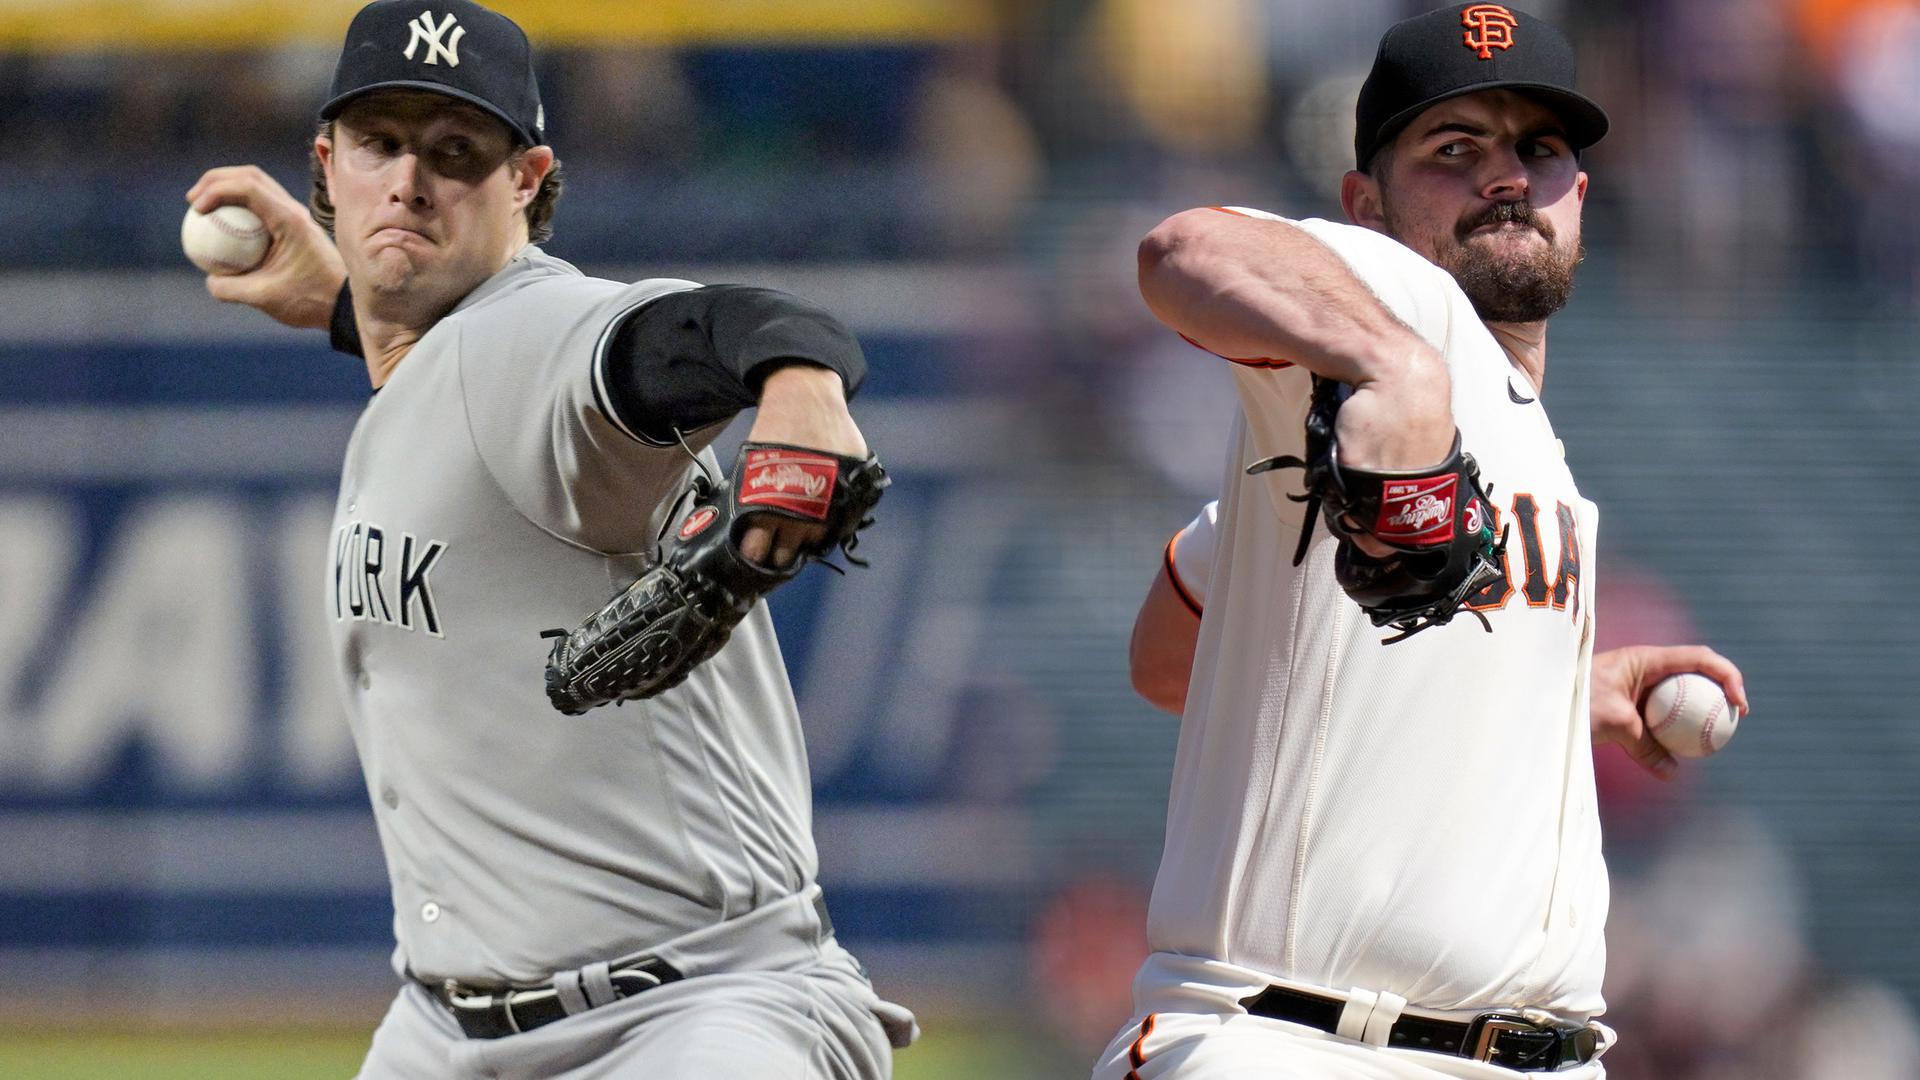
[230, 240]
[1690, 715]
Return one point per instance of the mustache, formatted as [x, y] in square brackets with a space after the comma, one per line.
[1520, 211]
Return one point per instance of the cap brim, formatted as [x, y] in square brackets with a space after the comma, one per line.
[332, 108]
[1586, 122]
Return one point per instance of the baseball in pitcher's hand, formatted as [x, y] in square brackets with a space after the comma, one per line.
[1622, 679]
[800, 405]
[301, 277]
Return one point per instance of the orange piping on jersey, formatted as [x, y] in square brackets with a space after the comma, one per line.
[1249, 361]
[1135, 1055]
[1179, 587]
[1229, 210]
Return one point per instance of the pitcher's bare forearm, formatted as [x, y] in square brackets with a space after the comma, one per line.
[1160, 653]
[1247, 287]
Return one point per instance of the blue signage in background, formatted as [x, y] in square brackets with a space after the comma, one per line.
[177, 779]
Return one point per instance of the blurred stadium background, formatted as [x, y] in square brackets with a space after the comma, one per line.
[187, 862]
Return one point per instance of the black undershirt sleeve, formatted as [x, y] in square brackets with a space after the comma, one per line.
[694, 358]
[342, 332]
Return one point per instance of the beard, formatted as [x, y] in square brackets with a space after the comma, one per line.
[1507, 286]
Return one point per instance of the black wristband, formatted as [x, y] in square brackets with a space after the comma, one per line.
[343, 333]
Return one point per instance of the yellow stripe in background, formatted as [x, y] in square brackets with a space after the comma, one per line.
[92, 25]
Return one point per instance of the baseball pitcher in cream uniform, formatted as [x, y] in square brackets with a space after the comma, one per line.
[1383, 860]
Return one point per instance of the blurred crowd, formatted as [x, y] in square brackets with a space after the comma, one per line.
[1763, 143]
[713, 153]
[1755, 142]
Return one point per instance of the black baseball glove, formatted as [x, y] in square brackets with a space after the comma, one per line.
[1438, 521]
[680, 612]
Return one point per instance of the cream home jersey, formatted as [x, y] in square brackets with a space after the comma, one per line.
[489, 493]
[1417, 817]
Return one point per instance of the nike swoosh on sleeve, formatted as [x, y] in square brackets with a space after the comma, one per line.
[1514, 395]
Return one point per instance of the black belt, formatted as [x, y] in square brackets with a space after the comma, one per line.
[491, 1014]
[1501, 1038]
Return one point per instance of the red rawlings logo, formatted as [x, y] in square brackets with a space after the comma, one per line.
[697, 522]
[790, 480]
[1417, 512]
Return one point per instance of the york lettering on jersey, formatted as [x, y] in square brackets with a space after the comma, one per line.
[1563, 592]
[371, 582]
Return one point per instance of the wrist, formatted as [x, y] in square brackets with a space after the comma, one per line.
[805, 405]
[802, 382]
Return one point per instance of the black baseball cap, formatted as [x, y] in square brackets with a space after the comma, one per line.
[451, 47]
[1465, 49]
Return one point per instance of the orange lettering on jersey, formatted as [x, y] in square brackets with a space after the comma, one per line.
[1564, 590]
[1489, 27]
[1526, 515]
[1567, 582]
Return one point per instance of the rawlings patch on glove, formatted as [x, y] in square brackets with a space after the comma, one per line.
[647, 638]
[1437, 521]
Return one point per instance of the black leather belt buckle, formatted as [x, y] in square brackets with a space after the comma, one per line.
[1532, 1041]
[495, 1014]
[1509, 1040]
[1530, 1044]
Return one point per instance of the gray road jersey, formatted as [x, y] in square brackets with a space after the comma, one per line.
[485, 497]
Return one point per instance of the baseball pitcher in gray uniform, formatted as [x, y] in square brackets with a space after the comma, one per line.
[628, 893]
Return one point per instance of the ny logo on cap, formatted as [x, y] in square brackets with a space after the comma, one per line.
[1492, 24]
[424, 30]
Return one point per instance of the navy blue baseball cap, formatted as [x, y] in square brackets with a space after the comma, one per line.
[451, 47]
[1465, 49]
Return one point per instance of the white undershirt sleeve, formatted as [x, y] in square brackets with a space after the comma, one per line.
[1190, 557]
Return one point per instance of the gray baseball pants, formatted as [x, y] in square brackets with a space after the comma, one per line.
[752, 1025]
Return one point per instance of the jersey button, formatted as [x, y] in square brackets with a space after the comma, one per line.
[429, 912]
[366, 681]
[390, 797]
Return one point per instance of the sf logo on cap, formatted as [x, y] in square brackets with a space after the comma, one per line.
[424, 31]
[1489, 27]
